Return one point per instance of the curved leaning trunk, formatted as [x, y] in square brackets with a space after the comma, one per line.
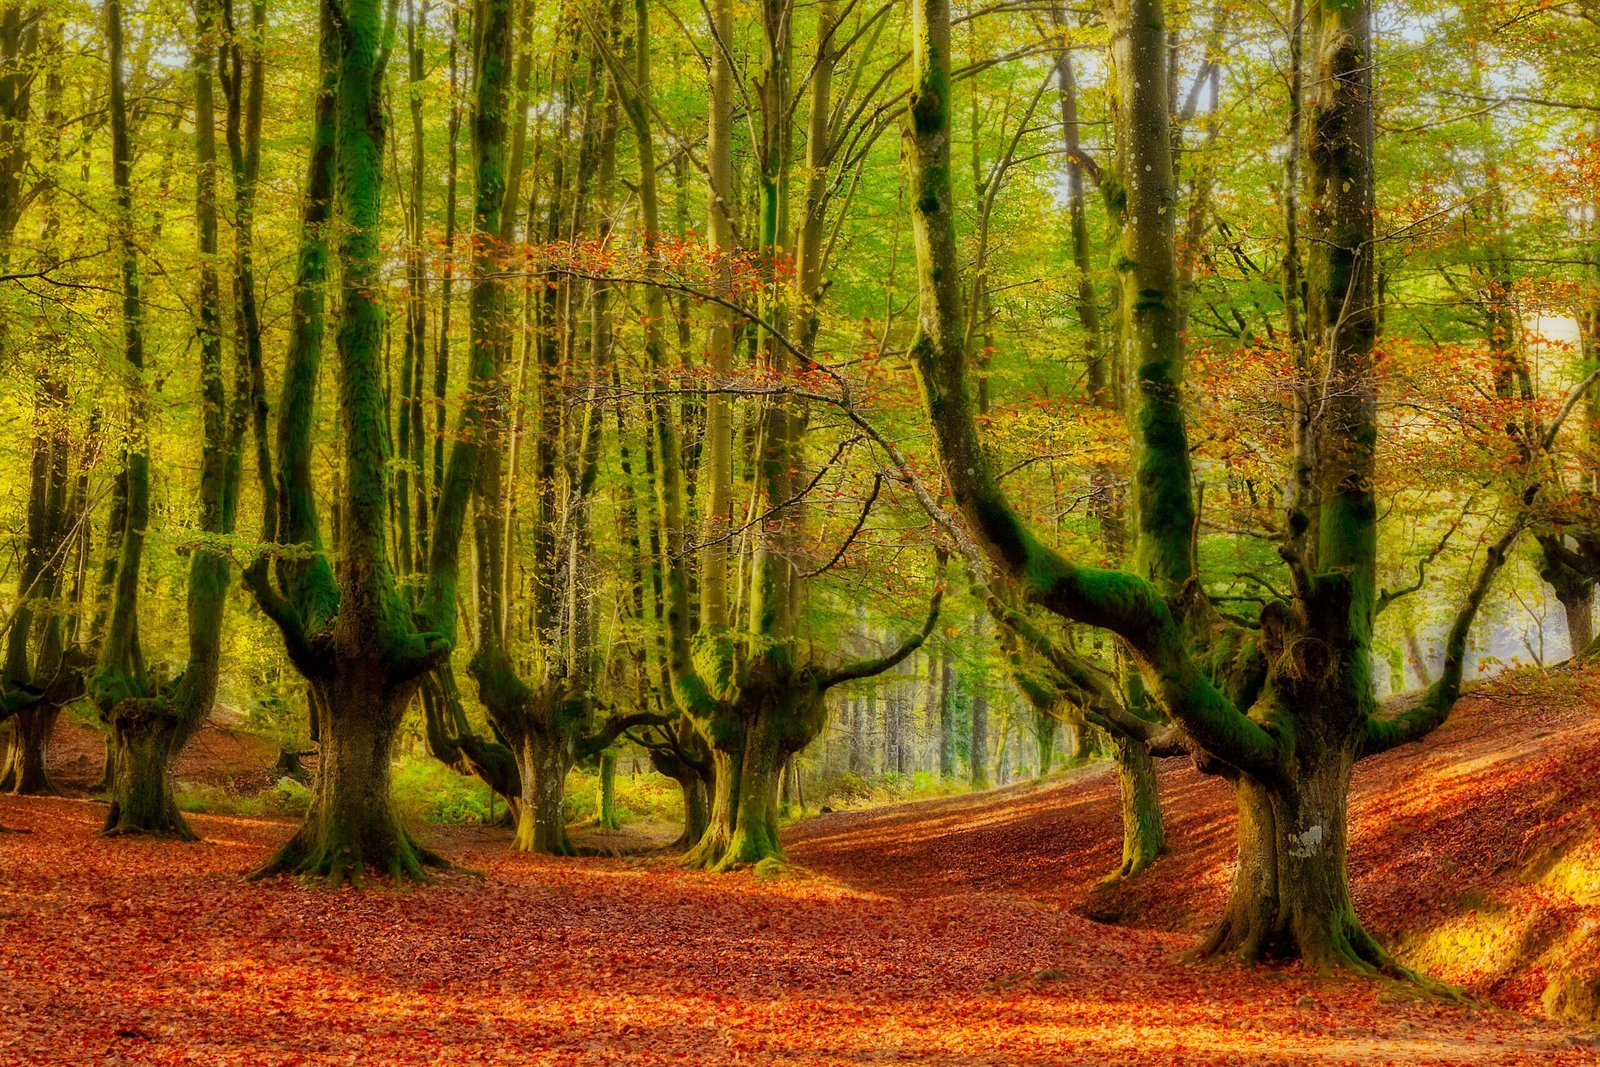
[722, 814]
[352, 823]
[696, 797]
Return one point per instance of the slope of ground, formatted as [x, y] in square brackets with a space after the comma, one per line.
[1476, 853]
[948, 932]
[221, 754]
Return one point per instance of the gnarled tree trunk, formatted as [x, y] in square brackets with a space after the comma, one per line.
[352, 824]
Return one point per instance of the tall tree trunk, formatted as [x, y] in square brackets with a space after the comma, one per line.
[718, 472]
[1044, 736]
[1578, 610]
[120, 677]
[150, 730]
[605, 815]
[947, 717]
[1144, 835]
[978, 744]
[366, 659]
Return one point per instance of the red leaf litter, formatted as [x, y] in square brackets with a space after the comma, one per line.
[948, 932]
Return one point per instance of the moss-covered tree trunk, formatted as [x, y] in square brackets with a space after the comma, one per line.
[754, 833]
[352, 824]
[1044, 740]
[947, 717]
[1144, 835]
[978, 742]
[1329, 697]
[35, 653]
[1293, 733]
[30, 750]
[375, 660]
[718, 466]
[1248, 924]
[724, 803]
[541, 816]
[150, 728]
[1291, 893]
[678, 761]
[119, 679]
[605, 814]
[145, 735]
[361, 645]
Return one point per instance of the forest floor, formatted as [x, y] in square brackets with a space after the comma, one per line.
[968, 930]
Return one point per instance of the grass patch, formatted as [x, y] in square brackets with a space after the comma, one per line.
[284, 797]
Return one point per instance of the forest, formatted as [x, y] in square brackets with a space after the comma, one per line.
[825, 531]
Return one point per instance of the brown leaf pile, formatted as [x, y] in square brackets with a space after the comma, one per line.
[942, 933]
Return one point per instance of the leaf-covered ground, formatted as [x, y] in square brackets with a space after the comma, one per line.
[1476, 853]
[946, 933]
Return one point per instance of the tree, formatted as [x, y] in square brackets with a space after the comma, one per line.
[1292, 754]
[361, 648]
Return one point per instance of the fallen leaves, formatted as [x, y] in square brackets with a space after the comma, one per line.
[938, 933]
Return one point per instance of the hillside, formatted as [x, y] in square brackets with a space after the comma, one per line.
[1476, 853]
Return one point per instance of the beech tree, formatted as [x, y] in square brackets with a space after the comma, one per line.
[1291, 748]
[361, 648]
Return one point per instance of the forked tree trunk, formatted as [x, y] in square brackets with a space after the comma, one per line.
[1144, 834]
[145, 736]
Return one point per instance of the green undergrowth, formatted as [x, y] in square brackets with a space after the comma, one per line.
[853, 792]
[283, 797]
[643, 797]
[425, 790]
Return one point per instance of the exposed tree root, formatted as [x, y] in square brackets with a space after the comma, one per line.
[338, 860]
[178, 830]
